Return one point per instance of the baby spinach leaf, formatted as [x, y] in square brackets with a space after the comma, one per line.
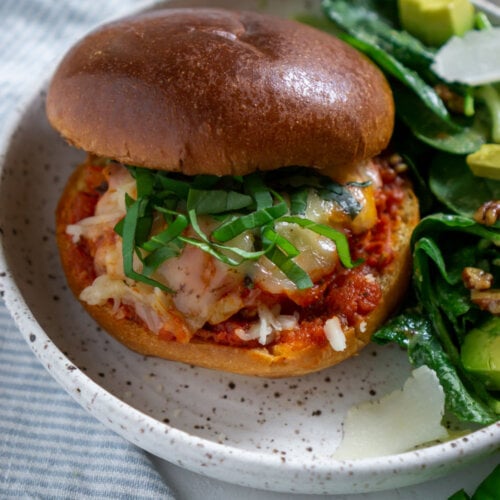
[400, 329]
[487, 490]
[443, 245]
[433, 128]
[377, 23]
[410, 78]
[434, 331]
[372, 27]
[453, 183]
[425, 349]
[413, 330]
[490, 487]
[438, 224]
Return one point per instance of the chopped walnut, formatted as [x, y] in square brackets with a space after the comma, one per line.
[476, 279]
[487, 300]
[488, 213]
[453, 101]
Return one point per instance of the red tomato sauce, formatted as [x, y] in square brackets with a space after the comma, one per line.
[349, 294]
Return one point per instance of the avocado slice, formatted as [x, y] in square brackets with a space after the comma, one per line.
[435, 21]
[481, 353]
[485, 162]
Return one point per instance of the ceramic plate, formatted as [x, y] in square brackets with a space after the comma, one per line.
[272, 434]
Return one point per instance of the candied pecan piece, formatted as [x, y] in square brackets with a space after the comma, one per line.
[487, 300]
[476, 279]
[488, 213]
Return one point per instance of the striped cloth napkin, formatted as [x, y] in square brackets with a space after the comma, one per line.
[49, 446]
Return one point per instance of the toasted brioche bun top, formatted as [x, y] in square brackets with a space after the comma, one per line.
[220, 92]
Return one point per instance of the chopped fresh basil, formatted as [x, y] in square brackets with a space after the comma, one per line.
[241, 204]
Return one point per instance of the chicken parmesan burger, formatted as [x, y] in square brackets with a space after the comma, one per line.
[238, 209]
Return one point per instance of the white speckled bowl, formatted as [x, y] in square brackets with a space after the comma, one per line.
[271, 434]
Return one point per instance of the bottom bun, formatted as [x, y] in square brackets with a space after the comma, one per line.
[275, 360]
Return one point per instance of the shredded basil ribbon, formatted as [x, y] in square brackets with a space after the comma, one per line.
[250, 203]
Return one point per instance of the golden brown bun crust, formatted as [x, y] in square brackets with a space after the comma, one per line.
[280, 361]
[222, 92]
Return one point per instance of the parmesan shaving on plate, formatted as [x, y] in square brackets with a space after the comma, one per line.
[473, 59]
[335, 334]
[398, 422]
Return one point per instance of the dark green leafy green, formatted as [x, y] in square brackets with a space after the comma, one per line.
[487, 490]
[377, 24]
[413, 331]
[459, 495]
[441, 312]
[443, 245]
[434, 129]
[407, 76]
[373, 28]
[453, 183]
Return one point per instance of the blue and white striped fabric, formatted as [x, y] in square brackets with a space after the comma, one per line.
[49, 446]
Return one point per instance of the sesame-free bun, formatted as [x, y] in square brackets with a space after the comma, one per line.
[220, 92]
[276, 360]
[211, 91]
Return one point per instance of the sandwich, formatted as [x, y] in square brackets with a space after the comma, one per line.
[241, 207]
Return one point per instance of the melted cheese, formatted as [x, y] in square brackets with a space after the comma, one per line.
[151, 305]
[110, 208]
[205, 287]
[207, 290]
[318, 257]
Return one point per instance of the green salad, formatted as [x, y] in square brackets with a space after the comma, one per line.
[451, 318]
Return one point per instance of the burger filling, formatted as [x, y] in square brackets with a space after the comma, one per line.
[284, 257]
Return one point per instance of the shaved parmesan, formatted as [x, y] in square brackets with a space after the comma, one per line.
[270, 322]
[398, 422]
[473, 59]
[335, 334]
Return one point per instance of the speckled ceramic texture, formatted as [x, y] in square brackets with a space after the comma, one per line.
[271, 434]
